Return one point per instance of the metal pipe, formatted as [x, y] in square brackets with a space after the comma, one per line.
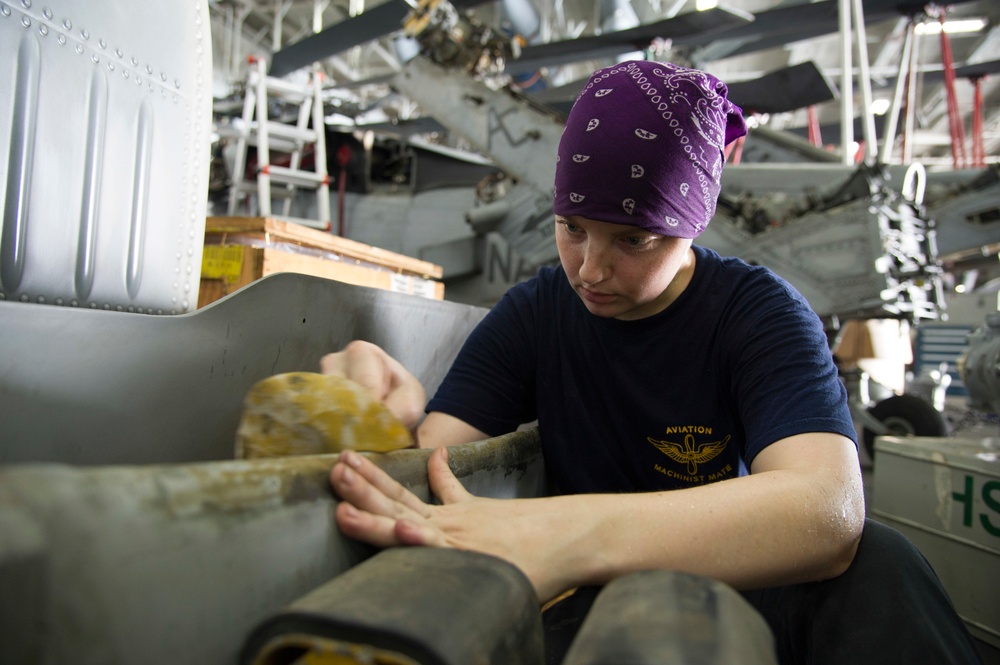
[871, 140]
[846, 84]
[897, 96]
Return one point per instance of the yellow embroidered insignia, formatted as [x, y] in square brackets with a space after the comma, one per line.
[690, 453]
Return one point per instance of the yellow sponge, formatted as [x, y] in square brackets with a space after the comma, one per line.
[306, 413]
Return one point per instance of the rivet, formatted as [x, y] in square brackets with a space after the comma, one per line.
[135, 61]
[111, 65]
[25, 298]
[47, 13]
[120, 53]
[5, 10]
[96, 58]
[25, 21]
[43, 29]
[79, 49]
[59, 301]
[177, 84]
[85, 33]
[149, 69]
[138, 80]
[130, 309]
[187, 288]
[74, 303]
[102, 42]
[67, 24]
[163, 77]
[119, 308]
[184, 305]
[124, 72]
[26, 3]
[61, 39]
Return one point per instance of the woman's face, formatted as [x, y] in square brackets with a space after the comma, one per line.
[622, 271]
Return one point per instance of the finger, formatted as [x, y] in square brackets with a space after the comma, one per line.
[367, 366]
[442, 479]
[333, 363]
[412, 533]
[370, 488]
[376, 530]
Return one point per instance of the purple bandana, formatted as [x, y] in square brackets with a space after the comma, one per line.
[643, 146]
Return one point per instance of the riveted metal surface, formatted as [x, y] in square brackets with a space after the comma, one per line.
[104, 141]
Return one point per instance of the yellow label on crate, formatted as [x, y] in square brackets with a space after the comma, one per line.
[222, 262]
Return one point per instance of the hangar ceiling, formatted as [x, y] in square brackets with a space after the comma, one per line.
[263, 27]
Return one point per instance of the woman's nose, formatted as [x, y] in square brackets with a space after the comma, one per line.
[595, 267]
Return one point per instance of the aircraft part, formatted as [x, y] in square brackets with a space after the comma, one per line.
[979, 366]
[659, 616]
[408, 606]
[519, 136]
[104, 140]
[177, 563]
[862, 251]
[155, 390]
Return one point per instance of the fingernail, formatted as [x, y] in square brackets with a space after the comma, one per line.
[352, 459]
[348, 476]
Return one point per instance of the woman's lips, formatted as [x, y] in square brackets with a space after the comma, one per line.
[596, 297]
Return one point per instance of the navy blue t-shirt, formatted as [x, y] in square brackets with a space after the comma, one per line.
[685, 397]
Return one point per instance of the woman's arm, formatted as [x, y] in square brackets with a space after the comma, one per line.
[796, 518]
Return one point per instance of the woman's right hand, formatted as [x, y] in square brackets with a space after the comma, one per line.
[387, 380]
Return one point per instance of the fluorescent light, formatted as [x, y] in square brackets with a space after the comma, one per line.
[951, 27]
[880, 106]
[703, 5]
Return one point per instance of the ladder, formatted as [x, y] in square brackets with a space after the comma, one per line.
[273, 136]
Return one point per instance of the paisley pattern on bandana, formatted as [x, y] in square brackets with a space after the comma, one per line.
[644, 146]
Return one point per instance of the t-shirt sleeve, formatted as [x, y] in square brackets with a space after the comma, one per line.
[491, 384]
[784, 379]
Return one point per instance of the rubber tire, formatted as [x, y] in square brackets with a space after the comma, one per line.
[905, 415]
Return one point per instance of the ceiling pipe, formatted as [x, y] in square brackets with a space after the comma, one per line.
[846, 84]
[897, 96]
[871, 140]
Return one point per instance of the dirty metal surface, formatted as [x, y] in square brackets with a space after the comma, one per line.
[177, 563]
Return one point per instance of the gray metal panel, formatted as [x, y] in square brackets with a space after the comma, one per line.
[94, 387]
[944, 494]
[177, 563]
[104, 152]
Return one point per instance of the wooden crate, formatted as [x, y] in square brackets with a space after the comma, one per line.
[239, 250]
